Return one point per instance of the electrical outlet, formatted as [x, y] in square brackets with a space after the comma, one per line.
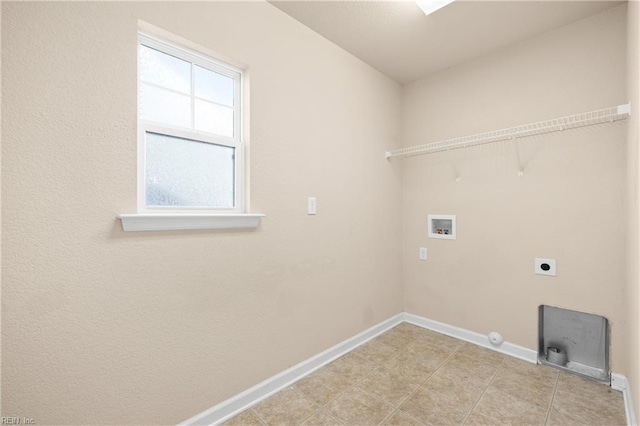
[311, 205]
[545, 266]
[423, 253]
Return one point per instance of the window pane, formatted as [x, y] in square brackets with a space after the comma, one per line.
[214, 118]
[165, 70]
[186, 173]
[213, 86]
[163, 106]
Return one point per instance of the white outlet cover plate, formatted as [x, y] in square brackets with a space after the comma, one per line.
[311, 205]
[422, 253]
[538, 266]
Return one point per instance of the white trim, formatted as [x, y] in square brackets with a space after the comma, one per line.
[235, 405]
[174, 222]
[175, 48]
[506, 348]
[184, 133]
[621, 383]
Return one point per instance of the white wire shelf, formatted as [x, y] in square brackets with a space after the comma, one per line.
[606, 115]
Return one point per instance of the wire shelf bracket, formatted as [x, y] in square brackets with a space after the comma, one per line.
[607, 115]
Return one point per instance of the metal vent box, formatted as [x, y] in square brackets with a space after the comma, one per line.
[574, 341]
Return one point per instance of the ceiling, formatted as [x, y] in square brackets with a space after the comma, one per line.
[399, 40]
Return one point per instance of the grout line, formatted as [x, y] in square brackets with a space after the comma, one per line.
[425, 381]
[388, 416]
[333, 417]
[396, 409]
[553, 397]
[255, 414]
[355, 384]
[484, 391]
[312, 414]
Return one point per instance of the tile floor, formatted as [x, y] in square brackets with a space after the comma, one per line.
[413, 376]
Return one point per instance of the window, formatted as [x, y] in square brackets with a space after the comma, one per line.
[190, 157]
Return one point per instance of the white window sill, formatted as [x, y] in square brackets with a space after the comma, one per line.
[175, 222]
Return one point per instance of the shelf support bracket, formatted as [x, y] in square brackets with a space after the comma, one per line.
[518, 159]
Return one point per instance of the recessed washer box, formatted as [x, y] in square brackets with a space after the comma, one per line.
[545, 266]
[441, 226]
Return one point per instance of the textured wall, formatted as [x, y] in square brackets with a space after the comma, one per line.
[569, 205]
[0, 216]
[101, 326]
[633, 161]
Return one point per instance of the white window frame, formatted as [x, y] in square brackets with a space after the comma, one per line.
[236, 142]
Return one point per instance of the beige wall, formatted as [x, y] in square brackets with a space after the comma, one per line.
[569, 205]
[633, 161]
[101, 326]
[0, 216]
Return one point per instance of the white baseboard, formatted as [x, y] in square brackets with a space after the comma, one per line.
[235, 405]
[621, 383]
[506, 348]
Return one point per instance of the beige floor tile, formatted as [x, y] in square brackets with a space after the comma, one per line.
[356, 407]
[414, 367]
[401, 419]
[287, 407]
[351, 366]
[246, 418]
[508, 409]
[580, 408]
[568, 416]
[564, 418]
[389, 386]
[397, 339]
[538, 393]
[410, 329]
[463, 392]
[527, 373]
[586, 388]
[323, 385]
[431, 338]
[480, 353]
[376, 352]
[477, 419]
[422, 347]
[322, 418]
[467, 368]
[435, 408]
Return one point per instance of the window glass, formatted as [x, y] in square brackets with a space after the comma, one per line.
[164, 70]
[213, 86]
[164, 106]
[183, 172]
[213, 118]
